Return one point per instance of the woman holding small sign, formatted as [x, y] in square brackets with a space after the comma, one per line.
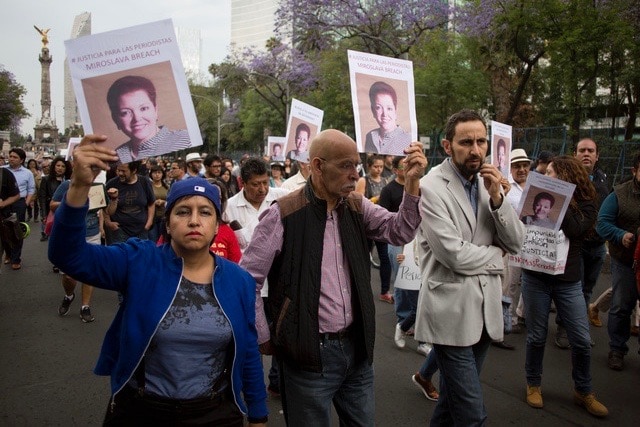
[565, 289]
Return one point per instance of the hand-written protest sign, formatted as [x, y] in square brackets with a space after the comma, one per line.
[543, 250]
[112, 71]
[542, 208]
[389, 125]
[408, 276]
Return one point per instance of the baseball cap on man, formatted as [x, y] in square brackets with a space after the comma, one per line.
[193, 157]
[194, 187]
[519, 155]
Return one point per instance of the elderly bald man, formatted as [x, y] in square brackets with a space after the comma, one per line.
[312, 245]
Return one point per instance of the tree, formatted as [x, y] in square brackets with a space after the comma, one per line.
[509, 38]
[383, 27]
[275, 75]
[445, 81]
[12, 109]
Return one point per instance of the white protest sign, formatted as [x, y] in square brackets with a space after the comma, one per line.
[408, 276]
[543, 206]
[501, 137]
[383, 97]
[305, 122]
[130, 85]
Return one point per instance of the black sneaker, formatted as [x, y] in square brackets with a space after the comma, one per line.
[85, 315]
[65, 304]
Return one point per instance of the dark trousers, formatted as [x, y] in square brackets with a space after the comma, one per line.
[15, 254]
[385, 265]
[130, 409]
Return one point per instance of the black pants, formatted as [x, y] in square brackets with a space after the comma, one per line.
[130, 409]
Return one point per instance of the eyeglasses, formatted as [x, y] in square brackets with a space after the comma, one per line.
[216, 166]
[345, 167]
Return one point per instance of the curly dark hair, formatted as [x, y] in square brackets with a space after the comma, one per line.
[569, 169]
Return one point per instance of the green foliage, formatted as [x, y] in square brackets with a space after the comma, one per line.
[445, 81]
[12, 110]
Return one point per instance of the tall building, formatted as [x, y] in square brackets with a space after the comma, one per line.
[252, 22]
[81, 27]
[190, 45]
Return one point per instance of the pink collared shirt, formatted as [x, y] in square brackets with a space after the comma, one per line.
[335, 311]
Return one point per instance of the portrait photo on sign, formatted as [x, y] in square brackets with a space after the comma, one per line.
[276, 147]
[299, 138]
[384, 111]
[139, 110]
[501, 147]
[542, 208]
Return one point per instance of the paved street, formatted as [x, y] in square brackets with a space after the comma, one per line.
[46, 364]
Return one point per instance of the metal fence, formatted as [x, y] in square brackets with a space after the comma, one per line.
[615, 155]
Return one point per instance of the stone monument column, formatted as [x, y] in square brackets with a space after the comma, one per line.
[46, 131]
[45, 81]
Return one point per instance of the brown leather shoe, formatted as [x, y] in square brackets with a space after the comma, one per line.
[16, 266]
[594, 317]
[590, 403]
[534, 396]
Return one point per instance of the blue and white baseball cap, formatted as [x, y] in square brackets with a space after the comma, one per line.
[194, 187]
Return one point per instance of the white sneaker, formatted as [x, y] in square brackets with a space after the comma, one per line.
[424, 348]
[398, 337]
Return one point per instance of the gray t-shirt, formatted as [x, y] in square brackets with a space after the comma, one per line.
[188, 351]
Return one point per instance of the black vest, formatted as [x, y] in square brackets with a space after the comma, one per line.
[628, 218]
[294, 278]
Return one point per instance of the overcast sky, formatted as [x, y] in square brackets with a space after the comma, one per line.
[21, 43]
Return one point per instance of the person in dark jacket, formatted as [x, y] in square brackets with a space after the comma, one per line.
[618, 220]
[566, 291]
[312, 245]
[60, 170]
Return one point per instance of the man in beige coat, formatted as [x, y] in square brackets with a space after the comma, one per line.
[467, 227]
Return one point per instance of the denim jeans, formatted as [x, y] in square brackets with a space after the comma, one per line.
[429, 366]
[591, 261]
[406, 306]
[393, 252]
[461, 402]
[345, 382]
[538, 292]
[625, 294]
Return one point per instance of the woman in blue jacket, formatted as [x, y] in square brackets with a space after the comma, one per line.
[182, 348]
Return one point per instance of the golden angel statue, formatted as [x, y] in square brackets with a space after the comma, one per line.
[43, 33]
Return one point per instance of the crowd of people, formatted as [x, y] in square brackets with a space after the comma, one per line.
[215, 263]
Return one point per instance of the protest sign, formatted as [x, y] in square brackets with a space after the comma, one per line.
[130, 85]
[275, 148]
[543, 205]
[384, 110]
[73, 143]
[408, 276]
[305, 122]
[501, 137]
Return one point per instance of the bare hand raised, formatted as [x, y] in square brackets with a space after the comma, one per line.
[492, 179]
[90, 157]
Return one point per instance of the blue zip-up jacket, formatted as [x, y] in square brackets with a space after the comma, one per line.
[148, 277]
